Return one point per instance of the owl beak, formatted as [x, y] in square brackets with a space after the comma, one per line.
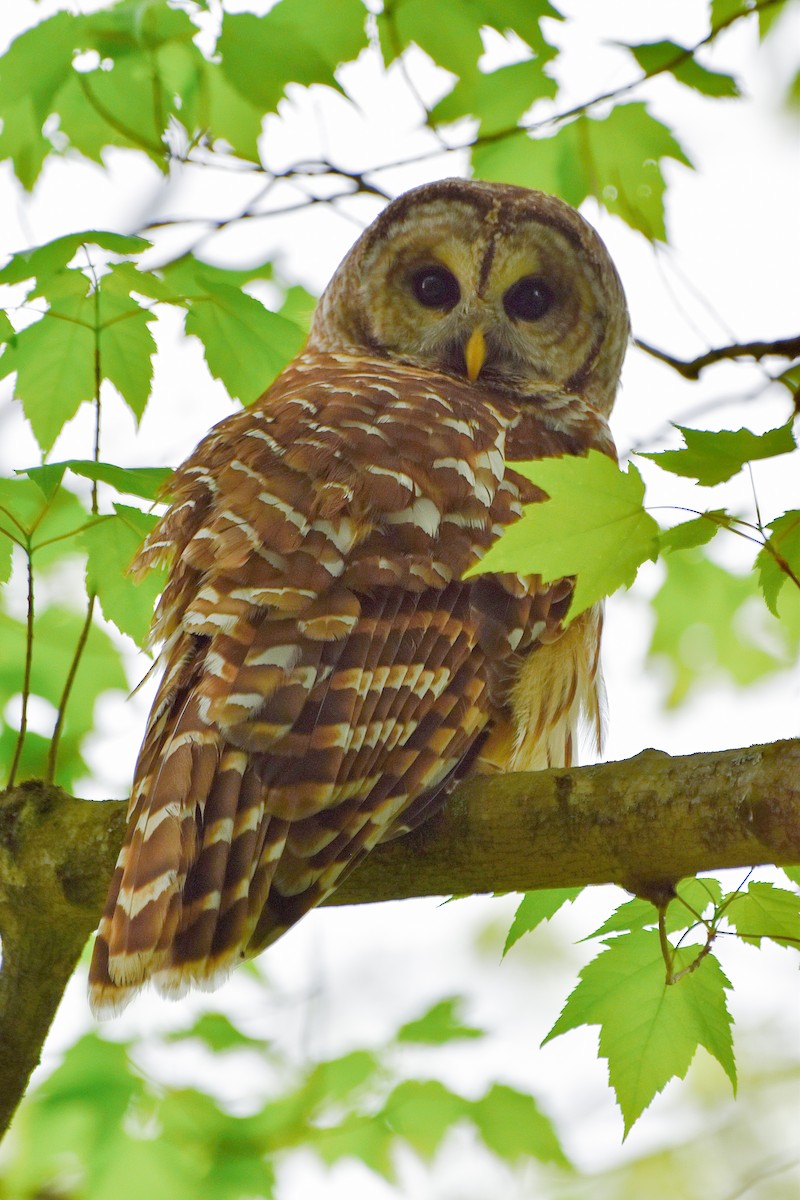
[475, 353]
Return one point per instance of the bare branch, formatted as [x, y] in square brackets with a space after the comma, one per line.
[690, 369]
[643, 823]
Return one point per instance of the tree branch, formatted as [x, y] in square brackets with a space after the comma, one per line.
[644, 824]
[691, 368]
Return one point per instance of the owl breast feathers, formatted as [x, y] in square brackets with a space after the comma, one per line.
[329, 674]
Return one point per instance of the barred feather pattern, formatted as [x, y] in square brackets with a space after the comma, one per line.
[329, 676]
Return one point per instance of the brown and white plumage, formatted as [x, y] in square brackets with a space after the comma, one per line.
[329, 674]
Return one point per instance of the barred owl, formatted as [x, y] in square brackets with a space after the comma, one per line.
[329, 674]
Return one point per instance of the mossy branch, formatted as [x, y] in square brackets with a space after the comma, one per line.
[643, 823]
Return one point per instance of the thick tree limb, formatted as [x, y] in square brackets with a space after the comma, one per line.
[643, 823]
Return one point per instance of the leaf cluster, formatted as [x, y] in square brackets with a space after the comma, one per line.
[656, 990]
[191, 82]
[595, 526]
[84, 309]
[101, 1126]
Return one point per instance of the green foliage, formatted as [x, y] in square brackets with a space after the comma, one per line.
[712, 624]
[111, 543]
[56, 635]
[650, 1026]
[610, 535]
[765, 911]
[712, 457]
[535, 907]
[450, 33]
[219, 316]
[616, 159]
[779, 561]
[657, 1000]
[100, 1124]
[302, 41]
[93, 307]
[81, 324]
[679, 61]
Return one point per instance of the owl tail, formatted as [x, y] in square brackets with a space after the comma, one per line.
[194, 869]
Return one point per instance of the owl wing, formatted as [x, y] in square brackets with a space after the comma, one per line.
[328, 674]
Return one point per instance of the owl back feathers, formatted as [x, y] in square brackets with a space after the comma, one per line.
[329, 676]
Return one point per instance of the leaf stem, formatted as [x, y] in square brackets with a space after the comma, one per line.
[58, 729]
[666, 948]
[26, 679]
[52, 756]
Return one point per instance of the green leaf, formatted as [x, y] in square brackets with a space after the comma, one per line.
[512, 1127]
[693, 896]
[617, 159]
[226, 320]
[711, 623]
[189, 275]
[510, 1123]
[45, 522]
[498, 98]
[7, 330]
[723, 12]
[712, 456]
[766, 911]
[610, 534]
[697, 532]
[217, 1032]
[125, 344]
[649, 1030]
[298, 307]
[369, 1141]
[148, 76]
[422, 1112]
[49, 260]
[782, 556]
[297, 41]
[339, 1080]
[56, 635]
[155, 286]
[441, 1023]
[111, 544]
[84, 1126]
[535, 907]
[653, 57]
[31, 72]
[6, 553]
[447, 32]
[232, 116]
[137, 104]
[84, 333]
[450, 31]
[793, 874]
[146, 482]
[54, 361]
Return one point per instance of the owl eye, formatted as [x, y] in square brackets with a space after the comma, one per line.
[436, 287]
[529, 298]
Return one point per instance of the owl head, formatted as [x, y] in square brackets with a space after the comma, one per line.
[506, 287]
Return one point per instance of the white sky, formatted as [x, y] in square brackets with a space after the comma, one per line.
[733, 228]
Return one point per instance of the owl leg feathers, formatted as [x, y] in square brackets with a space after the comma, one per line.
[557, 694]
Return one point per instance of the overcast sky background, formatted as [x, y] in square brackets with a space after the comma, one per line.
[730, 274]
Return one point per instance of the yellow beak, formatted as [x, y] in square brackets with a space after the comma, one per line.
[475, 354]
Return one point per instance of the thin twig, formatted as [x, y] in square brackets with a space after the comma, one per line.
[26, 678]
[320, 167]
[691, 368]
[52, 755]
